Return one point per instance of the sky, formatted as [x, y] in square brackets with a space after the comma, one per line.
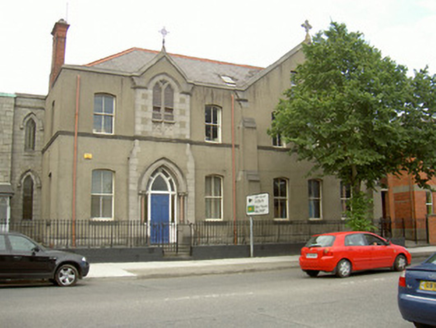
[237, 31]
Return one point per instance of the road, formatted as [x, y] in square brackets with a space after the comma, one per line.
[282, 298]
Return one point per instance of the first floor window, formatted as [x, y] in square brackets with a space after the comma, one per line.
[212, 122]
[280, 199]
[104, 113]
[102, 194]
[277, 139]
[163, 101]
[315, 199]
[213, 197]
[29, 135]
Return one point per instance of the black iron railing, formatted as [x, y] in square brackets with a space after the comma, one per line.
[110, 234]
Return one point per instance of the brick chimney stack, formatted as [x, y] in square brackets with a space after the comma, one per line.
[59, 33]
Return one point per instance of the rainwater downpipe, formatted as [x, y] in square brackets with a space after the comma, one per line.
[412, 205]
[76, 125]
[234, 172]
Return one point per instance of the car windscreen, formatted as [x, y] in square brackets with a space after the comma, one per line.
[320, 241]
[432, 259]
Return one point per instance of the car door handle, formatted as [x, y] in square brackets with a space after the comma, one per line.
[18, 257]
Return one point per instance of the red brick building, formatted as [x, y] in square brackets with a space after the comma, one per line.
[410, 208]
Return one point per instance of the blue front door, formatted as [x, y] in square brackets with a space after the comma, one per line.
[160, 214]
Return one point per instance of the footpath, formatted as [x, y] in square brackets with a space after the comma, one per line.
[168, 269]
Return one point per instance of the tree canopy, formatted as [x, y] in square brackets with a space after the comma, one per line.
[358, 115]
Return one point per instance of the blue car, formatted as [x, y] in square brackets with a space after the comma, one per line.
[417, 293]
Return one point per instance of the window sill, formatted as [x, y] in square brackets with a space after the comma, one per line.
[103, 133]
[154, 120]
[102, 220]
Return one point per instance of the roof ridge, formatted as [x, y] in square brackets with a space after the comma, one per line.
[119, 54]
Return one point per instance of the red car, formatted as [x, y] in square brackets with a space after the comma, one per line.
[344, 252]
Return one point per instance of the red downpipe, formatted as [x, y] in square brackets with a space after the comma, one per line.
[76, 126]
[235, 233]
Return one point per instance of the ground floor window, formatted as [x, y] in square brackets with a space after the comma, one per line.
[213, 197]
[102, 194]
[315, 199]
[28, 198]
[280, 198]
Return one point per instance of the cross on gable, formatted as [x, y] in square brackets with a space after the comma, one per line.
[306, 26]
[164, 33]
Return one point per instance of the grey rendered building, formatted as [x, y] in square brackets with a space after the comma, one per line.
[156, 137]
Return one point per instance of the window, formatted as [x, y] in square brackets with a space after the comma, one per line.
[2, 243]
[280, 199]
[345, 198]
[104, 111]
[315, 199]
[228, 80]
[28, 198]
[355, 240]
[372, 240]
[102, 194]
[277, 139]
[213, 123]
[21, 244]
[163, 101]
[429, 202]
[161, 182]
[213, 198]
[293, 78]
[29, 135]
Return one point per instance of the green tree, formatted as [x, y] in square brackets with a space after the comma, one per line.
[357, 115]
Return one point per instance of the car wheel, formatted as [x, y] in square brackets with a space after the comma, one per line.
[400, 263]
[66, 275]
[343, 269]
[312, 273]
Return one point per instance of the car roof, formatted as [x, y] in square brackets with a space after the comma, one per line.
[11, 233]
[341, 233]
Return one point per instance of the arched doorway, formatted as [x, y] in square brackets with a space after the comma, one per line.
[162, 209]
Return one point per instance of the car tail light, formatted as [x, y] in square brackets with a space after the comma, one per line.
[402, 279]
[328, 252]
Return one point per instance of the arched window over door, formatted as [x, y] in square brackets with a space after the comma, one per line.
[161, 205]
[161, 182]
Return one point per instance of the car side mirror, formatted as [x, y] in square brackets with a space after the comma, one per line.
[35, 250]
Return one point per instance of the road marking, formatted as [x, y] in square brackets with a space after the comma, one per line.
[207, 296]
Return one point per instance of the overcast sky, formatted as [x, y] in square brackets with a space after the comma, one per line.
[237, 31]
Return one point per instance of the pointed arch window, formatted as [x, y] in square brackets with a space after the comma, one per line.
[161, 182]
[163, 101]
[28, 198]
[29, 135]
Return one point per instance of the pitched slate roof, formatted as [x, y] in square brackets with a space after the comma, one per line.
[197, 70]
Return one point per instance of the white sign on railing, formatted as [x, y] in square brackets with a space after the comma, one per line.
[258, 204]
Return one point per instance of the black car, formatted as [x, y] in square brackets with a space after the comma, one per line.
[23, 258]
